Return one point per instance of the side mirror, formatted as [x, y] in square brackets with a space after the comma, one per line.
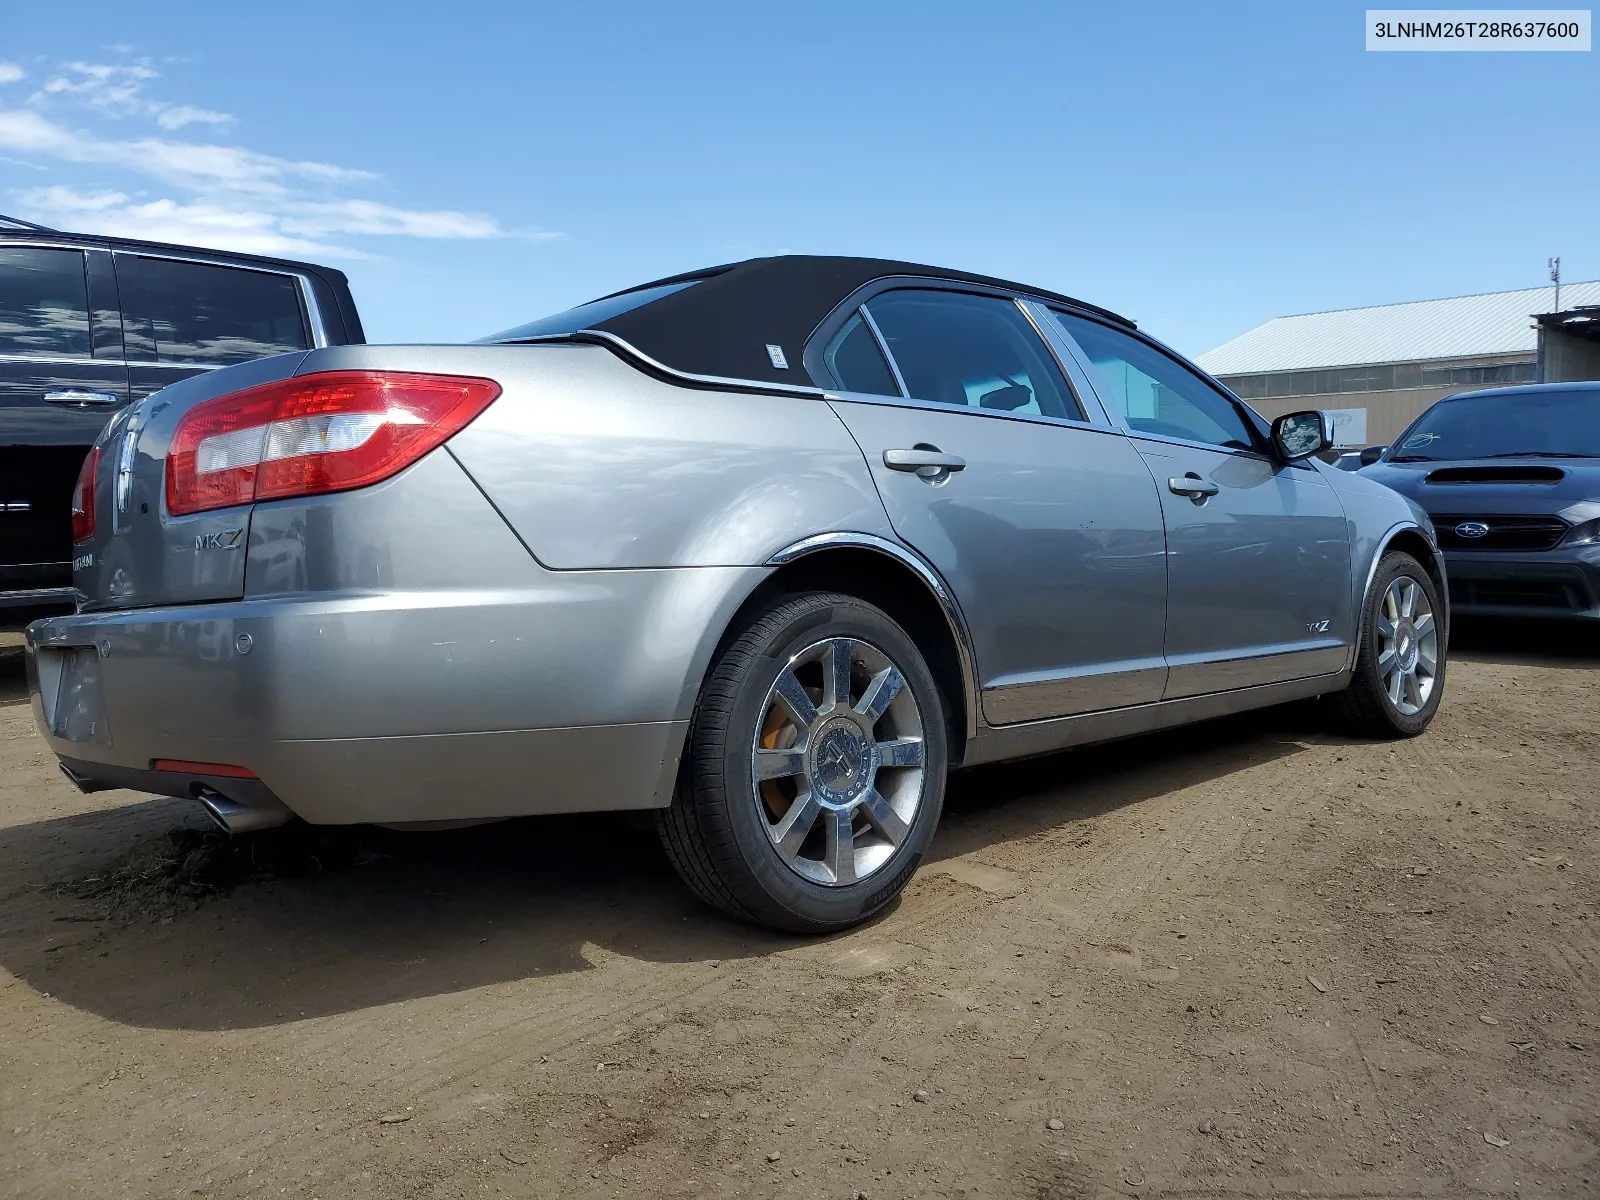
[1302, 434]
[1372, 454]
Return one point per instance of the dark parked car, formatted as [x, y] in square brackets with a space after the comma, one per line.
[89, 325]
[1511, 478]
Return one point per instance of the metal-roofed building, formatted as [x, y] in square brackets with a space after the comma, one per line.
[1378, 368]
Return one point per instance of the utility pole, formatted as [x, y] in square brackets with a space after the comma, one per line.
[1555, 278]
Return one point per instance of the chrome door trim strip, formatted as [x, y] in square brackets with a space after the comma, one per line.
[67, 360]
[930, 577]
[187, 365]
[71, 360]
[1058, 733]
[1036, 696]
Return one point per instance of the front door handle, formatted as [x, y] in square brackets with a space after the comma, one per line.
[923, 460]
[1193, 487]
[79, 396]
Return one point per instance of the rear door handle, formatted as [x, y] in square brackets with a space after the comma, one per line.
[79, 396]
[920, 460]
[1192, 486]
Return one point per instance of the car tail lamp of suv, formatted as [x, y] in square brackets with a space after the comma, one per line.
[327, 432]
[83, 498]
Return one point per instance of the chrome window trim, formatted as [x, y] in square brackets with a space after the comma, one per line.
[1187, 443]
[871, 323]
[869, 291]
[935, 584]
[969, 410]
[1077, 377]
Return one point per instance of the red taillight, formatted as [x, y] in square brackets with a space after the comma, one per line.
[328, 432]
[83, 498]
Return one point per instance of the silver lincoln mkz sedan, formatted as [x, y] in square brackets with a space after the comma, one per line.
[767, 548]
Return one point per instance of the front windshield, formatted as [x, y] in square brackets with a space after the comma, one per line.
[1513, 425]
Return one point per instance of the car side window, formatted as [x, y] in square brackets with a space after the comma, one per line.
[199, 313]
[44, 302]
[1154, 394]
[856, 363]
[971, 351]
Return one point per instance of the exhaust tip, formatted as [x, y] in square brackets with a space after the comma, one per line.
[82, 782]
[232, 817]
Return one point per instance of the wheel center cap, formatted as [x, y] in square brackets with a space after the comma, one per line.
[839, 759]
[1405, 644]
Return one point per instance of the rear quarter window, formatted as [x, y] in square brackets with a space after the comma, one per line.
[201, 313]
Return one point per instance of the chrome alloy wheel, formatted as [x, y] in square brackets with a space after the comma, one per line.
[1408, 645]
[838, 764]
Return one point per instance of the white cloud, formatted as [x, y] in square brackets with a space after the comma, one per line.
[118, 90]
[225, 196]
[319, 218]
[218, 226]
[179, 115]
[189, 164]
[279, 227]
[11, 73]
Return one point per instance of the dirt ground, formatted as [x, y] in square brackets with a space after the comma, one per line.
[1244, 959]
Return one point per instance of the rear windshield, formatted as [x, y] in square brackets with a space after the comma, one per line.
[1538, 424]
[586, 316]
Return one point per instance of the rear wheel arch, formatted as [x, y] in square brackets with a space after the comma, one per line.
[890, 578]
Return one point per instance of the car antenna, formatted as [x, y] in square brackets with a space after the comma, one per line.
[17, 223]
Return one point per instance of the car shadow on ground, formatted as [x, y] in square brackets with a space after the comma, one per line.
[423, 914]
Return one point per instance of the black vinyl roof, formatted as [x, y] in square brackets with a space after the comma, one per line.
[723, 324]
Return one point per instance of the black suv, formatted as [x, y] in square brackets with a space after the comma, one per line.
[91, 324]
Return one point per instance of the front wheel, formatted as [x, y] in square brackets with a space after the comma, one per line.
[1400, 660]
[814, 774]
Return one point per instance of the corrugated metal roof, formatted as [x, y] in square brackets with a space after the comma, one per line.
[1422, 330]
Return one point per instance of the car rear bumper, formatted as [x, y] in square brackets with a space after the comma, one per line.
[568, 697]
[1559, 583]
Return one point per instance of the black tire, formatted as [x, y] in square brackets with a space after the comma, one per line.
[1365, 708]
[716, 831]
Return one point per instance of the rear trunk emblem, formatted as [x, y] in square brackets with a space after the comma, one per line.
[1471, 529]
[227, 539]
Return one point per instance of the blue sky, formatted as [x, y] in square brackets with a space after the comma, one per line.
[1199, 167]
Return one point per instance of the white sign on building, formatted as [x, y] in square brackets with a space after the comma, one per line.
[1349, 426]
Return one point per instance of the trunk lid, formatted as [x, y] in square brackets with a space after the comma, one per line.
[140, 554]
